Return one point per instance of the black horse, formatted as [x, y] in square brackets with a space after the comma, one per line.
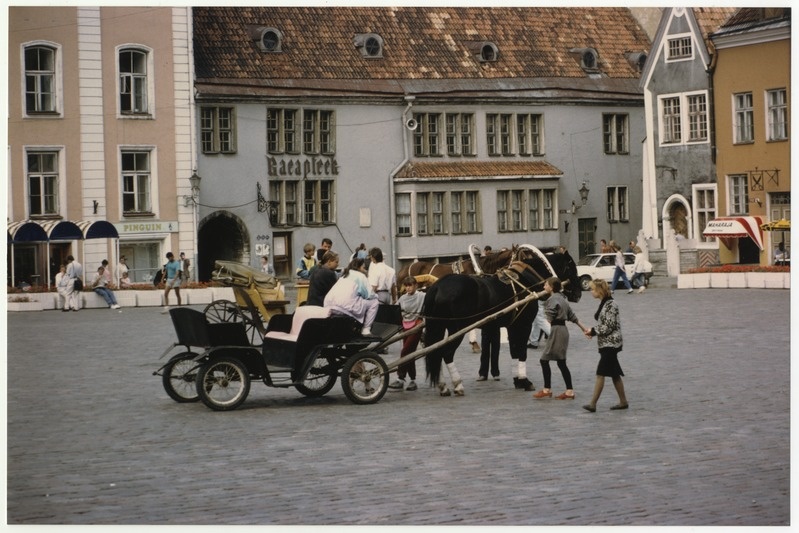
[459, 300]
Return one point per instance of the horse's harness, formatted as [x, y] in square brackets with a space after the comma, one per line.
[510, 276]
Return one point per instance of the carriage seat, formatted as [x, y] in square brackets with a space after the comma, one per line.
[192, 329]
[302, 314]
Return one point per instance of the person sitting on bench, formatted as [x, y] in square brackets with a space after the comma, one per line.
[352, 296]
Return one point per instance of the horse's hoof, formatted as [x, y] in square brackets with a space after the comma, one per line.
[476, 347]
[443, 390]
[459, 390]
[525, 384]
[515, 383]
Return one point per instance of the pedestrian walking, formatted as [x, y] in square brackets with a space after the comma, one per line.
[619, 273]
[558, 312]
[172, 276]
[609, 340]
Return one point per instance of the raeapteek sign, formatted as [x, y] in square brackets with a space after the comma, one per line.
[301, 167]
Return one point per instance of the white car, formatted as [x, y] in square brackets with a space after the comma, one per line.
[602, 266]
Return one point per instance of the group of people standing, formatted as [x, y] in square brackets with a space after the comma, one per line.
[69, 283]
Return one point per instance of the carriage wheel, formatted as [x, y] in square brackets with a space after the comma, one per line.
[364, 378]
[227, 311]
[223, 311]
[223, 384]
[585, 283]
[179, 377]
[320, 379]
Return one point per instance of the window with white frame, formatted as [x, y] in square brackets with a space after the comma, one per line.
[40, 79]
[471, 209]
[317, 132]
[529, 134]
[459, 134]
[617, 204]
[456, 212]
[777, 115]
[738, 187]
[697, 117]
[217, 130]
[499, 134]
[133, 82]
[679, 48]
[744, 118]
[403, 209]
[704, 209]
[510, 210]
[427, 135]
[684, 118]
[42, 168]
[284, 194]
[136, 181]
[318, 201]
[615, 133]
[671, 128]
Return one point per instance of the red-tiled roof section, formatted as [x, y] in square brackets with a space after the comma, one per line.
[478, 169]
[710, 19]
[418, 42]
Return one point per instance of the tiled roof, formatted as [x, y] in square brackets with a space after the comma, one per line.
[710, 19]
[756, 14]
[422, 43]
[478, 169]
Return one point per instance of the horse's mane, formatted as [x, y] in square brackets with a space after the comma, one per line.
[493, 262]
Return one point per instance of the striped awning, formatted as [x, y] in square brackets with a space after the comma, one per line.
[726, 228]
[60, 230]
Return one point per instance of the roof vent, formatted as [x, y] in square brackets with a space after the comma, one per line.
[370, 45]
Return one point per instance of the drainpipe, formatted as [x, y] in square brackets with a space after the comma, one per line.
[406, 157]
[712, 104]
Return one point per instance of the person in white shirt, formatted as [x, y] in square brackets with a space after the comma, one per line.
[61, 283]
[74, 272]
[382, 278]
[122, 269]
[101, 286]
[351, 296]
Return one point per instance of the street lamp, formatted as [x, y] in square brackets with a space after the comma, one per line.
[195, 190]
[583, 190]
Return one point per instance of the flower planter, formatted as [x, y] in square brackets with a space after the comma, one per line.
[92, 300]
[150, 298]
[49, 300]
[223, 293]
[25, 306]
[735, 280]
[718, 280]
[198, 296]
[126, 298]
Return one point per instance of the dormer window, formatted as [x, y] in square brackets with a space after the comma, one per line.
[369, 44]
[637, 60]
[489, 52]
[588, 58]
[270, 40]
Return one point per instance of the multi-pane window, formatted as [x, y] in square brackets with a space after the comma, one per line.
[615, 133]
[705, 206]
[317, 132]
[40, 79]
[136, 182]
[459, 133]
[499, 134]
[217, 130]
[471, 208]
[422, 213]
[133, 82]
[618, 210]
[777, 115]
[739, 194]
[510, 210]
[697, 117]
[281, 131]
[284, 193]
[744, 118]
[42, 183]
[403, 208]
[426, 136]
[318, 202]
[541, 209]
[672, 129]
[456, 207]
[529, 134]
[437, 213]
[680, 48]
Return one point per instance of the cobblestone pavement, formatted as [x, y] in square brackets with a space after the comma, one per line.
[94, 439]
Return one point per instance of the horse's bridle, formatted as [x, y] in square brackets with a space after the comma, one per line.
[518, 287]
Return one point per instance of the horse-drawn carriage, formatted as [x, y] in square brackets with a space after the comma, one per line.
[233, 343]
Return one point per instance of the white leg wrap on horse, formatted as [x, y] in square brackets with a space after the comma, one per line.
[443, 390]
[457, 382]
[522, 369]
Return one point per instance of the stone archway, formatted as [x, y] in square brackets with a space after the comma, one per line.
[678, 217]
[222, 236]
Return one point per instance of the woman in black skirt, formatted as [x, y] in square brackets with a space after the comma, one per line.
[608, 333]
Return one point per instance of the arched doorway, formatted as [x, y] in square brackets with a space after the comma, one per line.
[678, 217]
[222, 237]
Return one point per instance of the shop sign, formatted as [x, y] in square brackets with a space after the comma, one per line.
[305, 167]
[151, 226]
